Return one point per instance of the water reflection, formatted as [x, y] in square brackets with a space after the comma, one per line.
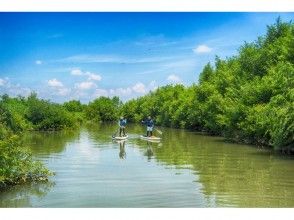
[238, 175]
[101, 133]
[149, 151]
[22, 196]
[122, 150]
[49, 142]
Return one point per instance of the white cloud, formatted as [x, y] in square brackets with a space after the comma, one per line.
[6, 87]
[79, 94]
[38, 62]
[139, 88]
[121, 91]
[54, 83]
[133, 91]
[57, 88]
[202, 49]
[76, 72]
[100, 92]
[85, 85]
[63, 91]
[152, 85]
[92, 76]
[2, 82]
[174, 78]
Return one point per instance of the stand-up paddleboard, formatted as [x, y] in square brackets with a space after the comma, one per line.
[118, 138]
[152, 138]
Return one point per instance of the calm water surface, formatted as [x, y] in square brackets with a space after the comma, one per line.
[184, 170]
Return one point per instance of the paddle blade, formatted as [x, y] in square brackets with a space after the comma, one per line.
[160, 132]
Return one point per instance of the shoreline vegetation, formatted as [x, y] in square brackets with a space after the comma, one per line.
[247, 98]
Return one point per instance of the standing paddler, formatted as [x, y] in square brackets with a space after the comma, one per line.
[150, 125]
[122, 126]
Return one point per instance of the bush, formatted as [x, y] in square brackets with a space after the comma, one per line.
[17, 165]
[73, 106]
[47, 116]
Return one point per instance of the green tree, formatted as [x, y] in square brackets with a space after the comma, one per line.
[103, 109]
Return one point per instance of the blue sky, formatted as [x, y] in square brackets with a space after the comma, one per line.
[64, 56]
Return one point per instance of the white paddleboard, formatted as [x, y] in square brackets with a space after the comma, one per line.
[120, 138]
[153, 138]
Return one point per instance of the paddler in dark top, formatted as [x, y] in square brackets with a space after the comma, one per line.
[122, 125]
[150, 125]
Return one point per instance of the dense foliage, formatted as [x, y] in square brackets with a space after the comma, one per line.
[17, 165]
[16, 162]
[103, 109]
[248, 97]
[47, 116]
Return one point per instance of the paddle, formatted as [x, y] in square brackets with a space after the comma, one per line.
[159, 131]
[115, 133]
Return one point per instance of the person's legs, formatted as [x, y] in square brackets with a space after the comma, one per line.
[149, 131]
[120, 130]
[124, 131]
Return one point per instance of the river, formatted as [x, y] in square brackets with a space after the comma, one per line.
[185, 169]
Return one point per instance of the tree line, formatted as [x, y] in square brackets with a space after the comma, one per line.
[246, 98]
